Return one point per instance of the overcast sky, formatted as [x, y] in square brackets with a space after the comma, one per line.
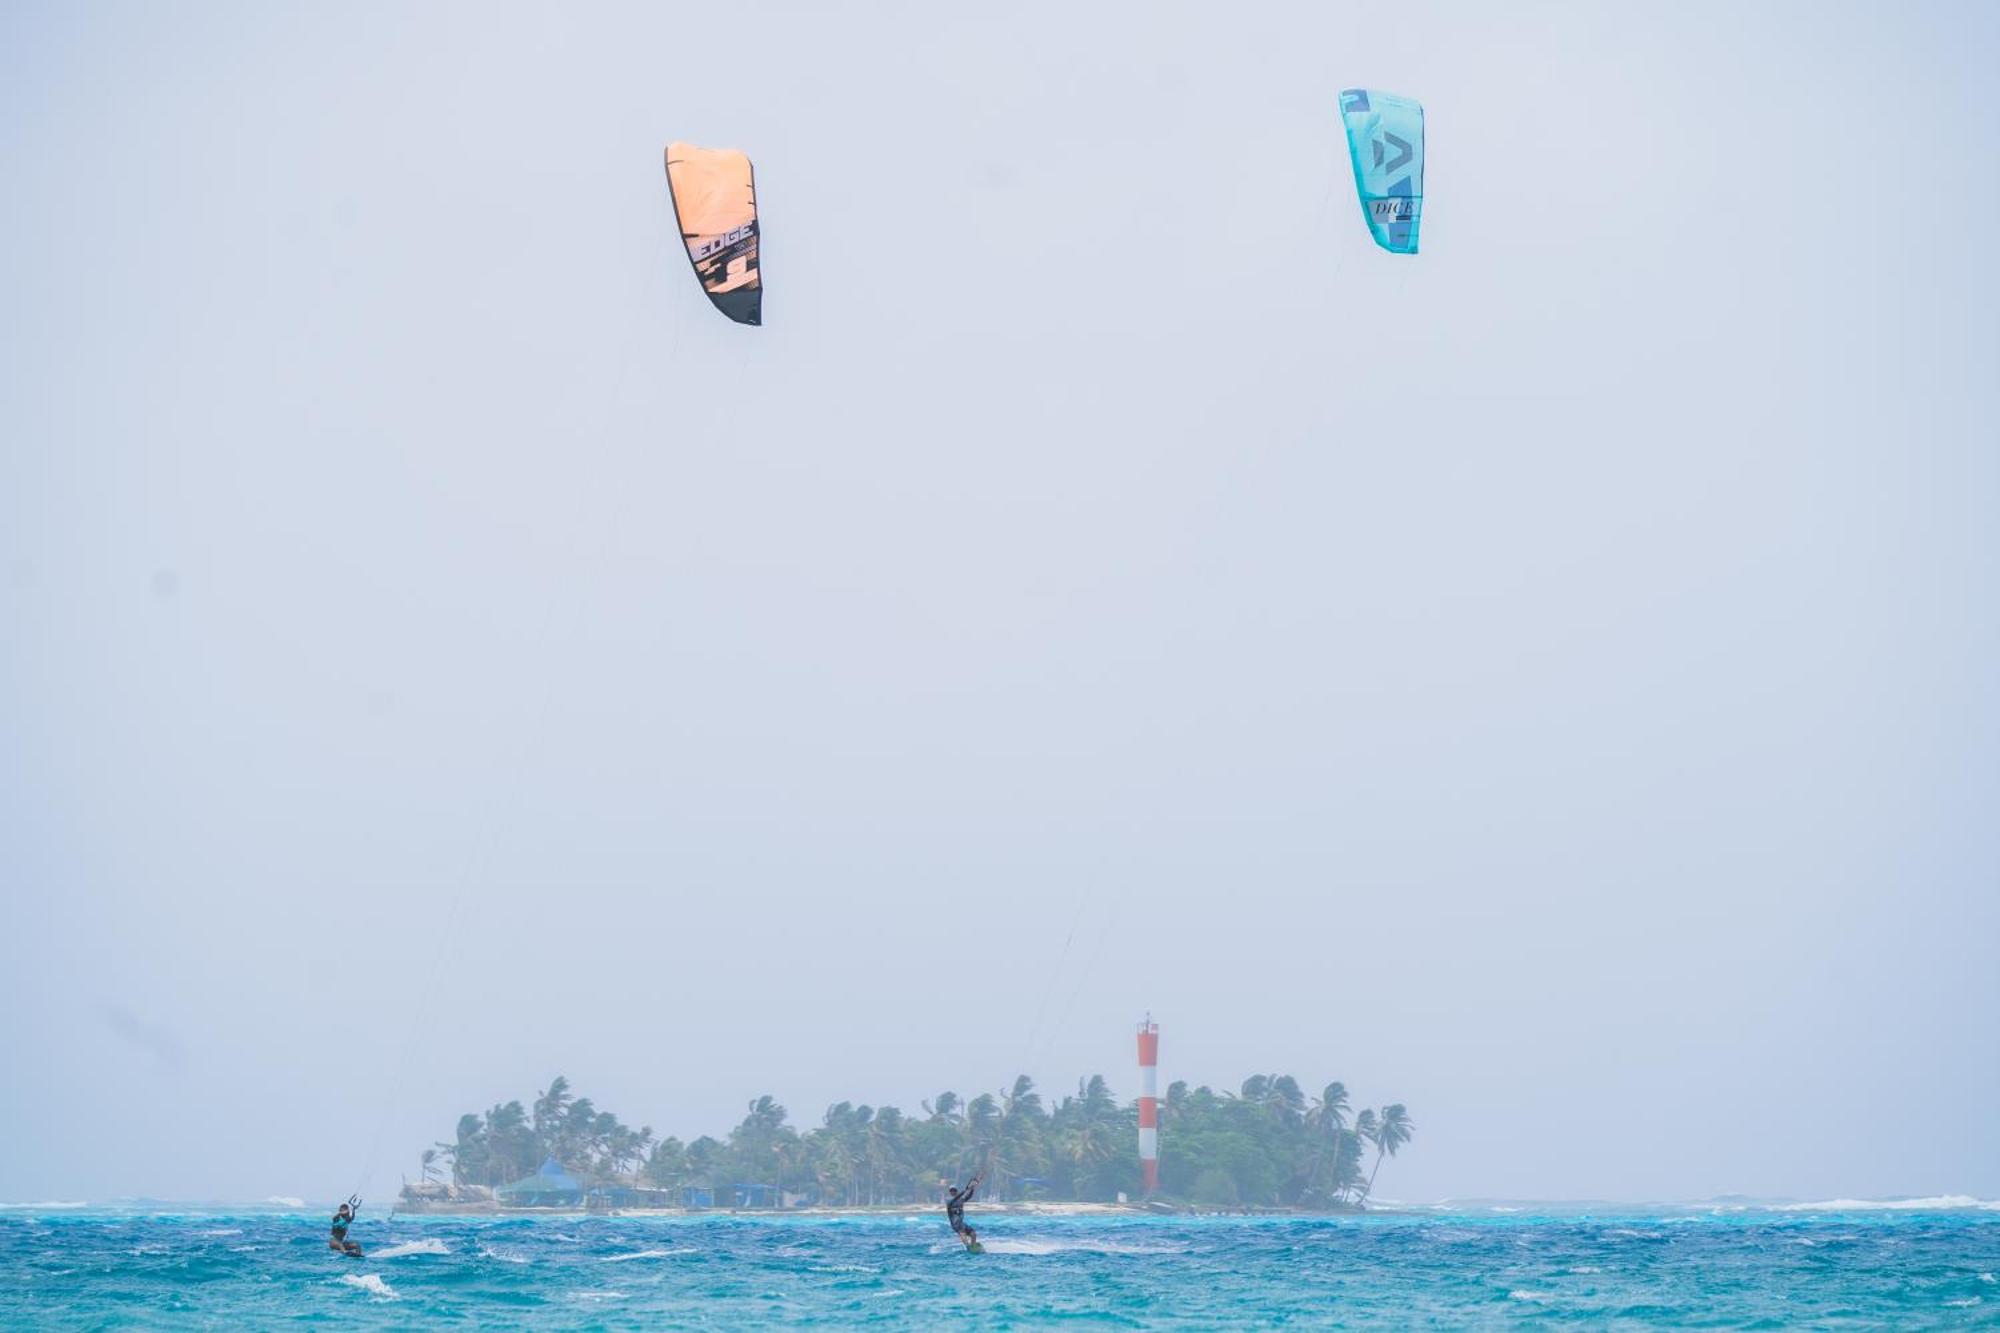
[1552, 681]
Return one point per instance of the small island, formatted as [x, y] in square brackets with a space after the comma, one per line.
[1266, 1146]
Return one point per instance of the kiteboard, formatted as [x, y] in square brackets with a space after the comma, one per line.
[975, 1248]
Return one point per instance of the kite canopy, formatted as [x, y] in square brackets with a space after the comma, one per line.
[1385, 139]
[715, 202]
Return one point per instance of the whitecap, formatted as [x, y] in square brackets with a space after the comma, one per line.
[1929, 1203]
[428, 1245]
[643, 1254]
[1038, 1245]
[45, 1206]
[285, 1201]
[843, 1268]
[373, 1284]
[604, 1295]
[1962, 1304]
[1988, 1277]
[1521, 1295]
[224, 1231]
[504, 1256]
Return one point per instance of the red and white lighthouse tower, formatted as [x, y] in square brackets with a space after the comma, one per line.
[1149, 1103]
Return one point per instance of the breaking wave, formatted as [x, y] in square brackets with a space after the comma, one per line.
[1929, 1204]
[373, 1284]
[428, 1245]
[1039, 1245]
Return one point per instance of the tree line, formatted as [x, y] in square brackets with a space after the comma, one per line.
[1266, 1145]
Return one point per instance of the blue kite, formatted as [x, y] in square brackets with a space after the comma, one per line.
[1385, 140]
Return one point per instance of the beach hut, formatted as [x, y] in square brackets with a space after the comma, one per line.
[550, 1187]
[600, 1198]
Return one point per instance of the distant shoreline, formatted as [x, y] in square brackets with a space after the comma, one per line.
[1018, 1208]
[1269, 1146]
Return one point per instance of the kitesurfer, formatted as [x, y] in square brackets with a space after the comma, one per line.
[343, 1217]
[954, 1210]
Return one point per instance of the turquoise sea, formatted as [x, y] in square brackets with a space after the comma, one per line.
[1853, 1265]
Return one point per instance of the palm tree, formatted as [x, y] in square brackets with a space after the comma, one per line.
[1095, 1100]
[552, 1109]
[666, 1165]
[766, 1114]
[1392, 1130]
[883, 1150]
[1171, 1104]
[1270, 1145]
[832, 1166]
[1018, 1150]
[1347, 1179]
[753, 1141]
[510, 1144]
[846, 1129]
[1363, 1132]
[1021, 1099]
[782, 1153]
[982, 1122]
[470, 1152]
[1286, 1100]
[1329, 1110]
[1328, 1121]
[1082, 1146]
[702, 1157]
[641, 1146]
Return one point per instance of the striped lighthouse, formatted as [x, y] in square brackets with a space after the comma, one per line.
[1149, 1103]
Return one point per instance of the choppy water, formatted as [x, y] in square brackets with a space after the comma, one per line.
[1860, 1266]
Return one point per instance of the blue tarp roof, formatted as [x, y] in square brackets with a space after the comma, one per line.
[551, 1179]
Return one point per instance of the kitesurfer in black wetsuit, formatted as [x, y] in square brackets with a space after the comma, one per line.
[954, 1210]
[343, 1218]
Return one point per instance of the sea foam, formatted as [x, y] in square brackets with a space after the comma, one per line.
[373, 1284]
[1930, 1203]
[1040, 1245]
[428, 1245]
[642, 1254]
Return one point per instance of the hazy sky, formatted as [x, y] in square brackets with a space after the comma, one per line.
[1553, 681]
